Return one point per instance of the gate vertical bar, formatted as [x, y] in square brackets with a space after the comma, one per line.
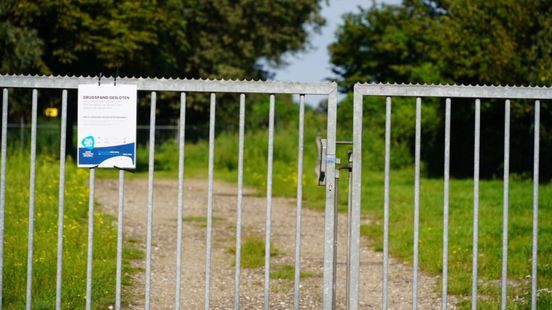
[90, 252]
[269, 203]
[210, 199]
[4, 143]
[354, 271]
[32, 183]
[475, 251]
[506, 203]
[296, 299]
[61, 197]
[444, 293]
[181, 153]
[239, 202]
[334, 250]
[418, 143]
[120, 221]
[349, 203]
[535, 207]
[151, 162]
[329, 263]
[386, 201]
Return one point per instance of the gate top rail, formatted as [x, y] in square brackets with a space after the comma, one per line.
[170, 84]
[454, 91]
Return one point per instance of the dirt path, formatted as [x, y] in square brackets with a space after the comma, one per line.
[224, 227]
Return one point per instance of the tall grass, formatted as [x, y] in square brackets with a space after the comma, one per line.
[45, 238]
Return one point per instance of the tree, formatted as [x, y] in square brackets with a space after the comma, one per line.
[219, 39]
[457, 41]
[185, 38]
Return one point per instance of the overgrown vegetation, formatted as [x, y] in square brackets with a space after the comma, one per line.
[462, 42]
[45, 239]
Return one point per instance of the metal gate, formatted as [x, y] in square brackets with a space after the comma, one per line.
[328, 160]
[418, 92]
[213, 87]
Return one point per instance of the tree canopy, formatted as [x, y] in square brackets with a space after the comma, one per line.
[448, 41]
[506, 42]
[219, 39]
[169, 38]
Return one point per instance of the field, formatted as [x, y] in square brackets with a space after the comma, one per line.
[45, 239]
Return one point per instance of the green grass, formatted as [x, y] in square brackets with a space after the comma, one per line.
[287, 272]
[45, 239]
[253, 252]
[461, 230]
[199, 220]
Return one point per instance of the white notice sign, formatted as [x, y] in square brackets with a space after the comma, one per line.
[107, 126]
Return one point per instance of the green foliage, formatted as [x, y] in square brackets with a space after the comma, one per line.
[460, 41]
[253, 252]
[20, 48]
[287, 272]
[219, 39]
[455, 41]
[186, 38]
[45, 239]
[403, 122]
[383, 44]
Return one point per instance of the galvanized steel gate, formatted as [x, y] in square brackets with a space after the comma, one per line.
[439, 91]
[184, 87]
[272, 88]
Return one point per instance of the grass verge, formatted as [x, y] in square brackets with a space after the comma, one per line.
[45, 239]
[461, 232]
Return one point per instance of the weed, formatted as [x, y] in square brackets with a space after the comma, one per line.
[287, 272]
[253, 252]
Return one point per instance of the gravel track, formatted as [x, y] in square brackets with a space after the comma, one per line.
[224, 228]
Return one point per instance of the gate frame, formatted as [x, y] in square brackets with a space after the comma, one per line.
[441, 91]
[184, 86]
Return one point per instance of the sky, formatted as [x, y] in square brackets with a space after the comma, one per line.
[314, 64]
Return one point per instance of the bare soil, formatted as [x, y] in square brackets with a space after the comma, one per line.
[224, 232]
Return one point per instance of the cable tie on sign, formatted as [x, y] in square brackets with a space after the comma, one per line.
[99, 78]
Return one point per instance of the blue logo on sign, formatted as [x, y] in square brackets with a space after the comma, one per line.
[88, 142]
